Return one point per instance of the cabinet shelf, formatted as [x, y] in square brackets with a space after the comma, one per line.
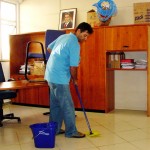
[126, 50]
[111, 69]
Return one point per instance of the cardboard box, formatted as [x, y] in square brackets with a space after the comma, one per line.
[92, 18]
[94, 21]
[38, 68]
[141, 12]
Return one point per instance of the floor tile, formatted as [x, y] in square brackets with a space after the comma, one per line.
[133, 135]
[143, 144]
[11, 147]
[122, 146]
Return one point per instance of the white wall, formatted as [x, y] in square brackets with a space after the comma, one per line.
[39, 15]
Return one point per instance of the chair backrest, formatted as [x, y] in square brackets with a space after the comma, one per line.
[2, 77]
[50, 36]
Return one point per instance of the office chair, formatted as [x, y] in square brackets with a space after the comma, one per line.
[34, 55]
[50, 36]
[6, 94]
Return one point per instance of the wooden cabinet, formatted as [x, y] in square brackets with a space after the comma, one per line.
[18, 43]
[95, 81]
[92, 74]
[133, 37]
[127, 38]
[92, 71]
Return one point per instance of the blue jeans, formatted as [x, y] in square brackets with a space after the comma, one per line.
[62, 108]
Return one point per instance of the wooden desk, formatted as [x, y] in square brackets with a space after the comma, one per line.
[32, 93]
[21, 84]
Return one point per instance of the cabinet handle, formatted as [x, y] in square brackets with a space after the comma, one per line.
[125, 46]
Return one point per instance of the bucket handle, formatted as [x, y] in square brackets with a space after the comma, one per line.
[38, 134]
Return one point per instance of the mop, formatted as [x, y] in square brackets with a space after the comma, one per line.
[91, 133]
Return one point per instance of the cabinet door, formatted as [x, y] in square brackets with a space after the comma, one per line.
[20, 96]
[31, 96]
[35, 96]
[44, 96]
[27, 96]
[92, 71]
[126, 38]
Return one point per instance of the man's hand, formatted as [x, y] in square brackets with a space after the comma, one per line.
[73, 72]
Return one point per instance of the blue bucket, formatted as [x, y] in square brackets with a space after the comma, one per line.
[44, 134]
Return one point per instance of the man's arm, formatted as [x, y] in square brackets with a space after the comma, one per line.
[73, 72]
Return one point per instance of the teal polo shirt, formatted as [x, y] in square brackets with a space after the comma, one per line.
[65, 53]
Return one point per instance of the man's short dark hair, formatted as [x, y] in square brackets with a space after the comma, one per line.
[84, 26]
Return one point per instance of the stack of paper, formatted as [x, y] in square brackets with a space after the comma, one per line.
[22, 69]
[141, 64]
[127, 65]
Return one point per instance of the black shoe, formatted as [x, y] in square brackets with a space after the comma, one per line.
[61, 131]
[78, 135]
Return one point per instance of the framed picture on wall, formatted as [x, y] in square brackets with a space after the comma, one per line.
[67, 18]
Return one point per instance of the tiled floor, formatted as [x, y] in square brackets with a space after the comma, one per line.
[119, 130]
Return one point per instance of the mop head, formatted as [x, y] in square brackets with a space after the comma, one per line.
[93, 134]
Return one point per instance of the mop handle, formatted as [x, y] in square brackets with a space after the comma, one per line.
[81, 103]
